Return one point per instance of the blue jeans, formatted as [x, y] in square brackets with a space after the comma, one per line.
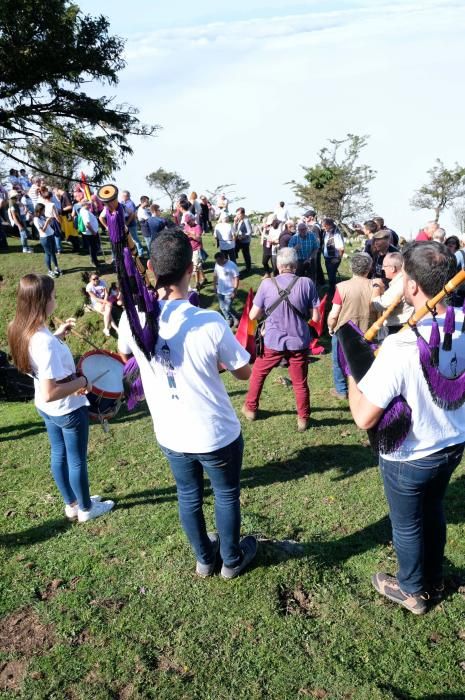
[225, 301]
[332, 266]
[48, 244]
[68, 437]
[223, 468]
[23, 237]
[415, 492]
[132, 228]
[340, 382]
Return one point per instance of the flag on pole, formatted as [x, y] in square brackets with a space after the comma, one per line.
[319, 327]
[245, 333]
[85, 187]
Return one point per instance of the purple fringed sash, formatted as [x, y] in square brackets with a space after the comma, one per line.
[133, 389]
[446, 392]
[394, 425]
[115, 223]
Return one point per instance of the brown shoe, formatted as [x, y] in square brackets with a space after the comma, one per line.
[302, 424]
[388, 587]
[336, 395]
[250, 415]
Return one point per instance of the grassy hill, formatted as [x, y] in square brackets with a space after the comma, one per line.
[112, 609]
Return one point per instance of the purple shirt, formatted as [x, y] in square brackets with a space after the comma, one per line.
[284, 330]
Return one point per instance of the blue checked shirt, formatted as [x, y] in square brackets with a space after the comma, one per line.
[304, 246]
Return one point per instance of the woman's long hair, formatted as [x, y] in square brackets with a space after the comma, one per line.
[34, 293]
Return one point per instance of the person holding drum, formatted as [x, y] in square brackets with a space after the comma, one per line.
[59, 393]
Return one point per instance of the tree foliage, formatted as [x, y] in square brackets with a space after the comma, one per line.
[52, 156]
[170, 183]
[337, 184]
[444, 187]
[48, 53]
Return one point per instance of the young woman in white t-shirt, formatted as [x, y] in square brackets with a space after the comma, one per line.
[59, 393]
[47, 239]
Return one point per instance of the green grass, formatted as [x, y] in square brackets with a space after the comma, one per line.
[112, 609]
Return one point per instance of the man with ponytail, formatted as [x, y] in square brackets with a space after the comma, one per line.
[426, 366]
[59, 393]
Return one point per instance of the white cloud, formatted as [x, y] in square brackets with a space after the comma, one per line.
[249, 101]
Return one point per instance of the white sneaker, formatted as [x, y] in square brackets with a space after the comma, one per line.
[27, 250]
[106, 332]
[71, 512]
[96, 510]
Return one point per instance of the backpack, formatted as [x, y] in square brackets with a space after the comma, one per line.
[81, 227]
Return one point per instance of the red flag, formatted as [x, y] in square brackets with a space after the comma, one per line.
[245, 333]
[315, 347]
[85, 187]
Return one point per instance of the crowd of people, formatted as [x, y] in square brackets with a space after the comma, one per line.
[181, 348]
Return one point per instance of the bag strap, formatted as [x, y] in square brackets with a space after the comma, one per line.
[284, 296]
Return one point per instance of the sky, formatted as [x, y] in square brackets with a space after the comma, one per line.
[248, 92]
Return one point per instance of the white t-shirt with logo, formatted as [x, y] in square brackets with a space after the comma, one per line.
[226, 274]
[190, 407]
[52, 359]
[97, 289]
[397, 371]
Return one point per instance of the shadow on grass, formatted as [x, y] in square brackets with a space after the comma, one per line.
[399, 694]
[24, 430]
[38, 533]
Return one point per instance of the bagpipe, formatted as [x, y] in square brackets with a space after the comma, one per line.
[357, 352]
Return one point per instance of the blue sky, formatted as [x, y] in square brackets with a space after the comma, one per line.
[248, 92]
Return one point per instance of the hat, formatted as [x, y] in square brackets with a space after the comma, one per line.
[310, 212]
[379, 235]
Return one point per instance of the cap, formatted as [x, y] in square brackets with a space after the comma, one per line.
[379, 235]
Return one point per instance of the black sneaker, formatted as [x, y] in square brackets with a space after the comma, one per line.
[435, 592]
[388, 587]
[249, 549]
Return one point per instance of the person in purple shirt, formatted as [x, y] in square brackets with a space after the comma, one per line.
[287, 334]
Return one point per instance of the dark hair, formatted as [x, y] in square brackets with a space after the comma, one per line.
[371, 225]
[453, 239]
[171, 255]
[430, 264]
[379, 221]
[220, 255]
[281, 204]
[185, 204]
[39, 208]
[328, 222]
[241, 210]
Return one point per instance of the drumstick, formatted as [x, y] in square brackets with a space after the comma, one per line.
[78, 335]
[99, 376]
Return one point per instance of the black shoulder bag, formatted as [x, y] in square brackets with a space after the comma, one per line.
[283, 296]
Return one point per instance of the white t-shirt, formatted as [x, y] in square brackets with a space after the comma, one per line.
[225, 235]
[396, 371]
[226, 274]
[39, 224]
[52, 359]
[97, 289]
[190, 407]
[88, 219]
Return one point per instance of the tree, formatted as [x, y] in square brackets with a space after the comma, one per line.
[170, 183]
[337, 185]
[48, 54]
[213, 195]
[459, 215]
[445, 185]
[52, 157]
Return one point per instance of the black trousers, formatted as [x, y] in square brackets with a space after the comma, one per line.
[245, 247]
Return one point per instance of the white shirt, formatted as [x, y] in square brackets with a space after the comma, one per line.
[282, 214]
[403, 311]
[396, 371]
[89, 219]
[98, 290]
[225, 235]
[52, 359]
[226, 274]
[39, 223]
[190, 407]
[143, 213]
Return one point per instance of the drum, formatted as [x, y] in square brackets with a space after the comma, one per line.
[107, 193]
[104, 370]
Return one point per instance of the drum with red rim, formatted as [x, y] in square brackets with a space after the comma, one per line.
[104, 370]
